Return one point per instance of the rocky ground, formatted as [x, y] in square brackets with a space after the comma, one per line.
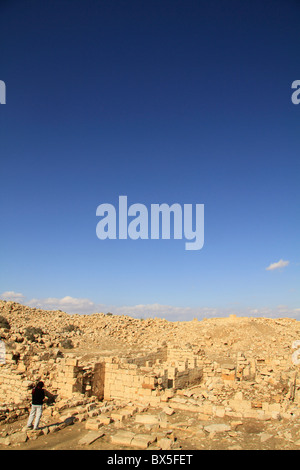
[88, 424]
[152, 429]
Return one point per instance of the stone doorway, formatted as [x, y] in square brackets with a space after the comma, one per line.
[98, 380]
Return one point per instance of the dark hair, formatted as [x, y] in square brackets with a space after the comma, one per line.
[40, 385]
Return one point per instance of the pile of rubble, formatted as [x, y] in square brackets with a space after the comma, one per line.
[105, 369]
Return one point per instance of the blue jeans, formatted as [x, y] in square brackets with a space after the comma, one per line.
[36, 412]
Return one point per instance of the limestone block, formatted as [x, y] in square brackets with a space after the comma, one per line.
[240, 405]
[93, 424]
[219, 411]
[90, 437]
[5, 441]
[123, 438]
[116, 416]
[217, 428]
[168, 410]
[256, 414]
[18, 437]
[146, 418]
[164, 443]
[142, 441]
[71, 362]
[146, 392]
[203, 416]
[104, 419]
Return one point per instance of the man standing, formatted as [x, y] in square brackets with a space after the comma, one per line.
[38, 395]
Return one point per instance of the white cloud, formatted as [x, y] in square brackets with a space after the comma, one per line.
[280, 311]
[67, 304]
[278, 265]
[12, 296]
[86, 306]
[157, 310]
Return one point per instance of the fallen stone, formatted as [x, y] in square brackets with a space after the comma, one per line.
[235, 424]
[81, 417]
[146, 419]
[105, 419]
[168, 410]
[203, 417]
[90, 437]
[164, 443]
[184, 406]
[34, 434]
[5, 441]
[18, 437]
[142, 441]
[265, 437]
[93, 424]
[123, 438]
[215, 428]
[118, 416]
[53, 428]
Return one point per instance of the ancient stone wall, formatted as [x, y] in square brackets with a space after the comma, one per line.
[140, 378]
[67, 377]
[14, 386]
[129, 381]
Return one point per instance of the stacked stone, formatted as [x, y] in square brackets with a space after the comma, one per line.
[14, 386]
[124, 381]
[68, 378]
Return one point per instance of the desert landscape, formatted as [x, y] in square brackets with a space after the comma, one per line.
[117, 382]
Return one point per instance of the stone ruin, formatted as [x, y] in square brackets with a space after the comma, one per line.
[218, 374]
[156, 378]
[145, 378]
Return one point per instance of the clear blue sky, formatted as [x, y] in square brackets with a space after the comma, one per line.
[163, 101]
